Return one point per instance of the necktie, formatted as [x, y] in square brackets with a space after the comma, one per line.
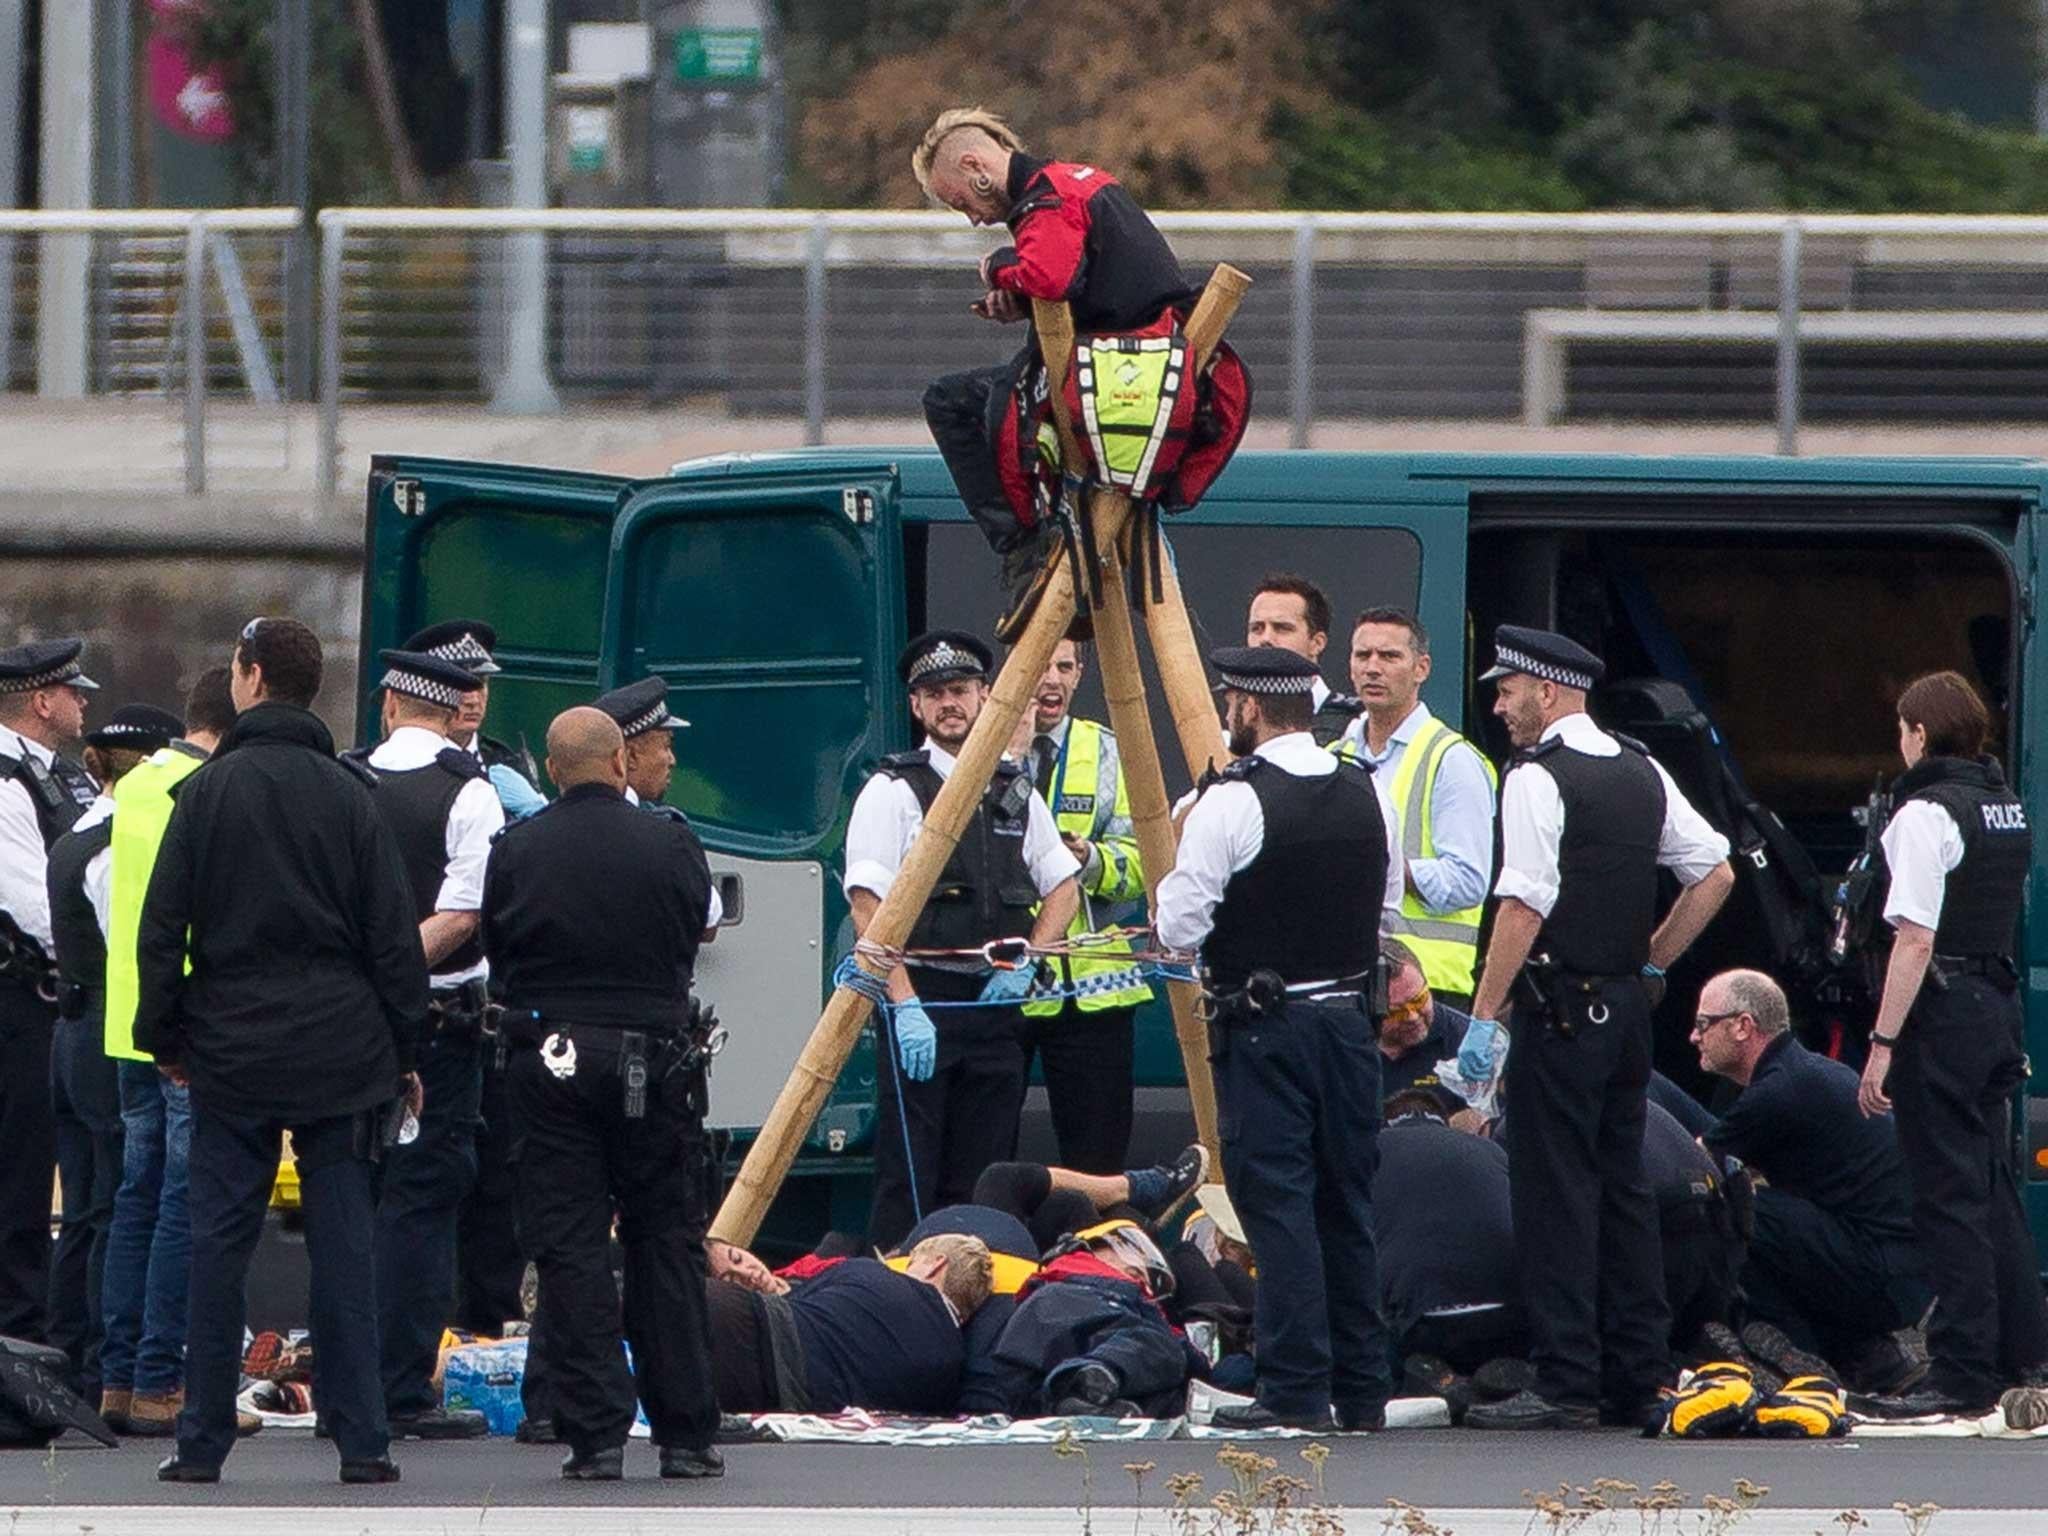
[1045, 752]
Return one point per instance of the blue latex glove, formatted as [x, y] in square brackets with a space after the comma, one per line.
[517, 796]
[917, 1039]
[1009, 986]
[1475, 1056]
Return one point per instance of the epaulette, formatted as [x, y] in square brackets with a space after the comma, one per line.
[1243, 768]
[899, 760]
[1542, 749]
[1350, 703]
[1007, 769]
[357, 761]
[1631, 743]
[665, 811]
[462, 764]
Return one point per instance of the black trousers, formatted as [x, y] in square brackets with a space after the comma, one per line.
[963, 411]
[1830, 1287]
[930, 1148]
[1298, 1112]
[420, 1188]
[491, 1264]
[85, 1100]
[234, 1165]
[1952, 1082]
[29, 1136]
[581, 1161]
[1586, 1236]
[1089, 1064]
[1702, 1255]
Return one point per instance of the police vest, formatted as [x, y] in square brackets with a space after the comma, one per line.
[985, 891]
[59, 793]
[1607, 862]
[1333, 717]
[142, 812]
[1308, 906]
[1980, 904]
[1446, 943]
[1075, 799]
[81, 947]
[415, 804]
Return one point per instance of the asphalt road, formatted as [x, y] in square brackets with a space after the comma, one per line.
[1435, 1469]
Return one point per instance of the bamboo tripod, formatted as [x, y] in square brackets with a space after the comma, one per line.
[1194, 715]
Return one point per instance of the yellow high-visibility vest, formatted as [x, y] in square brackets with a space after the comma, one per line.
[1447, 943]
[142, 812]
[1107, 982]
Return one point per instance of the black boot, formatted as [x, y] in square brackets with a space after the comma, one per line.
[1526, 1410]
[685, 1461]
[1249, 1416]
[370, 1469]
[605, 1466]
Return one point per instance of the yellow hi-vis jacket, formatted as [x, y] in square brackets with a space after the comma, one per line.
[1088, 799]
[1447, 943]
[142, 813]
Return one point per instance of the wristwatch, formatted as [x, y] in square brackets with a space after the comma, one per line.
[1887, 1041]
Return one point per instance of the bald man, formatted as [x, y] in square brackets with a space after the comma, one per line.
[593, 912]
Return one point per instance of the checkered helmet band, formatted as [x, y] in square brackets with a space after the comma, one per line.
[943, 657]
[425, 689]
[652, 720]
[1274, 685]
[1551, 672]
[466, 649]
[49, 677]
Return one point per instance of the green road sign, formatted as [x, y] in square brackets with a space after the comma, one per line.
[718, 55]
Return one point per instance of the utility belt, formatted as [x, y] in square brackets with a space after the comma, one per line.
[1264, 997]
[462, 1010]
[647, 1057]
[24, 963]
[1562, 998]
[78, 1003]
[1999, 970]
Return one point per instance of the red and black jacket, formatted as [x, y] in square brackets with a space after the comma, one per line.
[1080, 237]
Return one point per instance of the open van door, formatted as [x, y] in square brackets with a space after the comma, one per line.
[770, 595]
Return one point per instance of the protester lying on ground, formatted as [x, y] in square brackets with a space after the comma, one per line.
[1055, 1202]
[1701, 1215]
[860, 1334]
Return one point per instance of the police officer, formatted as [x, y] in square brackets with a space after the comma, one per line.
[85, 1089]
[641, 712]
[42, 710]
[593, 912]
[1444, 788]
[512, 770]
[1290, 978]
[950, 1089]
[1587, 819]
[443, 813]
[1947, 1046]
[1086, 1040]
[1293, 613]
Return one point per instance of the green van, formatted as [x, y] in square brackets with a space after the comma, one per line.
[1758, 617]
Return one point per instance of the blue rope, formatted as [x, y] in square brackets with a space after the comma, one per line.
[857, 978]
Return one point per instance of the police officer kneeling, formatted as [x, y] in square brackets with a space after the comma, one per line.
[1290, 969]
[593, 912]
[1948, 1047]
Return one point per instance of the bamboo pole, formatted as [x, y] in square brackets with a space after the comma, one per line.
[832, 1039]
[1123, 687]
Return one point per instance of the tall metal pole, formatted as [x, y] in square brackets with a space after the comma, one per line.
[294, 188]
[63, 292]
[1788, 339]
[13, 72]
[524, 387]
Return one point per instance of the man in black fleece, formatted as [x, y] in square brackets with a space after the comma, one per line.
[304, 1004]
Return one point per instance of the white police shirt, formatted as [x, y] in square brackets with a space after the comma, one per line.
[24, 862]
[1922, 843]
[473, 820]
[1225, 831]
[887, 818]
[1532, 823]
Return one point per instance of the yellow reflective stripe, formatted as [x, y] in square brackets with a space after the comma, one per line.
[1103, 979]
[142, 813]
[1446, 943]
[1127, 387]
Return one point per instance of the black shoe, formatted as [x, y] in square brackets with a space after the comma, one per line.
[1360, 1418]
[682, 1461]
[1084, 1389]
[440, 1424]
[1526, 1410]
[1717, 1341]
[173, 1469]
[738, 1429]
[539, 1431]
[605, 1466]
[1768, 1342]
[1427, 1376]
[1885, 1367]
[1925, 1403]
[1250, 1416]
[369, 1469]
[1080, 1408]
[1500, 1379]
[1027, 565]
[1183, 1176]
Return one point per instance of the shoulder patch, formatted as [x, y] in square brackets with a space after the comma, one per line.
[462, 764]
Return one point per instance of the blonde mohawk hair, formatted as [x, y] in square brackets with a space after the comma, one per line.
[956, 120]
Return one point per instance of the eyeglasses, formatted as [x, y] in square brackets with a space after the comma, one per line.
[1413, 1008]
[1706, 1021]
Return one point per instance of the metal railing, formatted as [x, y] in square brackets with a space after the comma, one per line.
[124, 304]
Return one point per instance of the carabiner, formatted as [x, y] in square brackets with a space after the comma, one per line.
[1008, 954]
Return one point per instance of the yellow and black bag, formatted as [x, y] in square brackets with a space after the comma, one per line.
[1806, 1408]
[1715, 1403]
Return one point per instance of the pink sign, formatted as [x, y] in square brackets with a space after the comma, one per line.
[189, 100]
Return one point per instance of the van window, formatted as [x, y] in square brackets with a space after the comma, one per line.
[951, 579]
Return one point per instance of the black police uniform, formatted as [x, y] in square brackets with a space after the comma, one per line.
[85, 1089]
[422, 1182]
[593, 913]
[1298, 1071]
[1960, 1059]
[56, 791]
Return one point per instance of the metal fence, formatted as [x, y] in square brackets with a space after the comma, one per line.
[187, 311]
[826, 318]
